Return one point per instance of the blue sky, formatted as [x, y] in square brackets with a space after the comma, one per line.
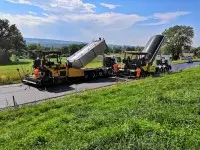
[125, 22]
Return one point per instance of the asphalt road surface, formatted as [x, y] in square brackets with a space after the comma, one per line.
[23, 94]
[184, 66]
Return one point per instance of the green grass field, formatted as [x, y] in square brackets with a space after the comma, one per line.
[154, 113]
[9, 73]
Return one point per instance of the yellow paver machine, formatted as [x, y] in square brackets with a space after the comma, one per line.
[48, 70]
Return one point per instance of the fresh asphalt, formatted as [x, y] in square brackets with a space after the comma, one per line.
[18, 94]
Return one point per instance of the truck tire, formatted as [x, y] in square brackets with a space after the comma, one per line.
[86, 76]
[92, 74]
[100, 73]
[109, 72]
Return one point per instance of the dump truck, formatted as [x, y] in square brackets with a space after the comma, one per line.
[48, 71]
[133, 59]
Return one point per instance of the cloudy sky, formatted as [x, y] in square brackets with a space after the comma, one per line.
[126, 22]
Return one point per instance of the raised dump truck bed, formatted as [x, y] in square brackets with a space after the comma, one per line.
[153, 46]
[85, 55]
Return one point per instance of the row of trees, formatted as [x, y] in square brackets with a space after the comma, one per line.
[178, 39]
[65, 50]
[71, 49]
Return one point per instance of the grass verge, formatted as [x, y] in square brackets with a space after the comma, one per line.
[9, 73]
[154, 113]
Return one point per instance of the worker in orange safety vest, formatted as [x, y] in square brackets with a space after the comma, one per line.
[138, 72]
[115, 68]
[36, 73]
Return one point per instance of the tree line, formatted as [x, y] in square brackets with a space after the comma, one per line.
[178, 39]
[73, 48]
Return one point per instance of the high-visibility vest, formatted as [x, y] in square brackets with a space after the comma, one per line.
[36, 73]
[138, 72]
[115, 68]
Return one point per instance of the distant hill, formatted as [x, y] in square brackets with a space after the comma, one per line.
[50, 43]
[59, 43]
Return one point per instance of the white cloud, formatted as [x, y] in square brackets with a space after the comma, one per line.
[20, 1]
[167, 17]
[28, 20]
[106, 21]
[32, 13]
[71, 5]
[109, 21]
[45, 14]
[59, 5]
[110, 6]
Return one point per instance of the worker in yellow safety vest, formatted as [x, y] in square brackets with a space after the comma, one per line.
[138, 72]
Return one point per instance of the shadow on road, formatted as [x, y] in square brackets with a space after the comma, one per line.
[60, 89]
[67, 87]
[57, 89]
[102, 80]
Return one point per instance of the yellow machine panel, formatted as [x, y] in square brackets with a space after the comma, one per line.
[152, 69]
[62, 65]
[145, 68]
[56, 73]
[72, 72]
[149, 68]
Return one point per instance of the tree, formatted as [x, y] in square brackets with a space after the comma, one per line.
[18, 43]
[75, 47]
[11, 41]
[139, 48]
[117, 49]
[130, 48]
[177, 39]
[196, 51]
[32, 47]
[65, 50]
[107, 50]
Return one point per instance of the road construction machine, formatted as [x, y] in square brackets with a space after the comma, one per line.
[163, 63]
[133, 59]
[48, 71]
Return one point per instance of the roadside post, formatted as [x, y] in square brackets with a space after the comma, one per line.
[14, 102]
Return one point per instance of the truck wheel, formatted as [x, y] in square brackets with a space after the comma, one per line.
[170, 67]
[92, 74]
[109, 72]
[39, 84]
[100, 73]
[86, 76]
